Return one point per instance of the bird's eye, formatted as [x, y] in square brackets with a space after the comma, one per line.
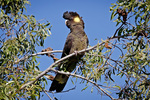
[76, 19]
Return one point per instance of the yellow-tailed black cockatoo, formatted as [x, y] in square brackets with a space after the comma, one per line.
[76, 41]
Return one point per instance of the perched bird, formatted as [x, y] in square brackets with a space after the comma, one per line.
[76, 40]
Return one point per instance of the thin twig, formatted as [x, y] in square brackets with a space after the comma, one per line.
[118, 29]
[77, 69]
[131, 24]
[108, 58]
[47, 94]
[121, 36]
[120, 71]
[39, 53]
[118, 48]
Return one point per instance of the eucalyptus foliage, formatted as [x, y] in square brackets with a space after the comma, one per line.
[19, 36]
[136, 60]
[129, 58]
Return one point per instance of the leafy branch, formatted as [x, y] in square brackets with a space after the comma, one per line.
[56, 62]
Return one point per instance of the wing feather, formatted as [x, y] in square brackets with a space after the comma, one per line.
[67, 46]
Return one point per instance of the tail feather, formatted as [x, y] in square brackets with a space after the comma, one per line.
[59, 82]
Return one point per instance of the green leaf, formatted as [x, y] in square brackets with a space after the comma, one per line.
[120, 31]
[72, 81]
[84, 88]
[117, 87]
[135, 83]
[92, 90]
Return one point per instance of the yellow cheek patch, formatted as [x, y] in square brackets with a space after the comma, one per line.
[76, 19]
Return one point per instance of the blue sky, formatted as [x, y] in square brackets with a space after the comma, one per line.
[98, 25]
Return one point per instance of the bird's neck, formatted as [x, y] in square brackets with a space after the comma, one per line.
[76, 28]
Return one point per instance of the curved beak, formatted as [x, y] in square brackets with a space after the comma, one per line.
[66, 22]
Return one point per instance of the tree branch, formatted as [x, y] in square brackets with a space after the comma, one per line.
[78, 76]
[47, 95]
[118, 29]
[56, 62]
[39, 53]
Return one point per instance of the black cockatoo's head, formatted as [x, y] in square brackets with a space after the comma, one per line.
[73, 19]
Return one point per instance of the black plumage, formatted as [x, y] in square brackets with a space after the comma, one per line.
[76, 41]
